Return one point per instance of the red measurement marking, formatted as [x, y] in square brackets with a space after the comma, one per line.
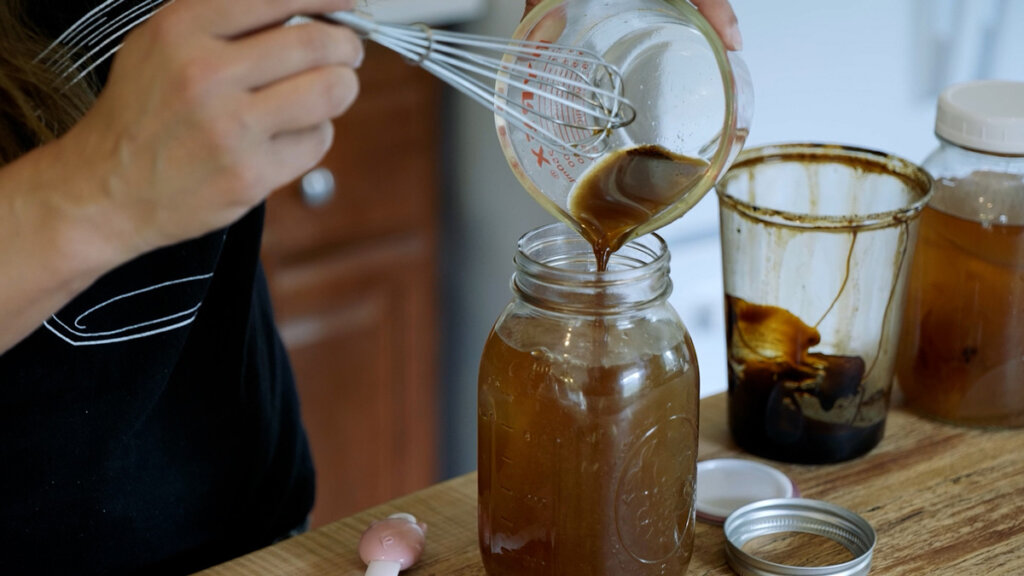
[541, 160]
[541, 47]
[532, 75]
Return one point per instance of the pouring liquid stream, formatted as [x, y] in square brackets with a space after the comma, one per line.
[627, 189]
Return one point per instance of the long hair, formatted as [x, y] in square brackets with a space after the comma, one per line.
[35, 107]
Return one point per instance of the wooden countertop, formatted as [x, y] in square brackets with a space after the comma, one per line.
[943, 500]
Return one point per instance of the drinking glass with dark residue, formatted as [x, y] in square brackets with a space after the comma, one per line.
[817, 241]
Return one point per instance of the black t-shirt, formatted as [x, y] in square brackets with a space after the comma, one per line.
[152, 426]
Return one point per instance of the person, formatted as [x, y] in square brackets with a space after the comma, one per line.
[148, 418]
[149, 421]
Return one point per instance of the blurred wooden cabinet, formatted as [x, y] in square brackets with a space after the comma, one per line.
[352, 268]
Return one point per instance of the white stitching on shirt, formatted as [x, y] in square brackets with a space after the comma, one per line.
[81, 336]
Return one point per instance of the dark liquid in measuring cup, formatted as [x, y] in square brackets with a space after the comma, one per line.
[786, 403]
[626, 190]
[579, 476]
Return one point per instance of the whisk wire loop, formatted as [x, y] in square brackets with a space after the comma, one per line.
[429, 33]
[566, 97]
[94, 38]
[575, 97]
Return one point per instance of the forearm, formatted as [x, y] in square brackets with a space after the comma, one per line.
[55, 238]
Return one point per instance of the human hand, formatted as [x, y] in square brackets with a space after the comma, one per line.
[209, 107]
[719, 14]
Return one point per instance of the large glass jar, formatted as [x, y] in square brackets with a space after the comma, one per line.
[962, 348]
[588, 399]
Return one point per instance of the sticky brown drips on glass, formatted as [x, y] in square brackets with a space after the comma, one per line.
[626, 190]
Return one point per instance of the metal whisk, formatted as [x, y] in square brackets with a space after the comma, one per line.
[566, 97]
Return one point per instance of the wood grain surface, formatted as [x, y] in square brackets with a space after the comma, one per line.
[942, 499]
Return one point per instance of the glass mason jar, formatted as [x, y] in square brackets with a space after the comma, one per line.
[962, 348]
[587, 416]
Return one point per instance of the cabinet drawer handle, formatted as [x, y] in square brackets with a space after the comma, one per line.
[317, 187]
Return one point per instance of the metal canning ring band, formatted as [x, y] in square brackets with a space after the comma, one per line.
[782, 515]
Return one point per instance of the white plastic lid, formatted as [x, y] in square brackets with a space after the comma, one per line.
[986, 115]
[726, 484]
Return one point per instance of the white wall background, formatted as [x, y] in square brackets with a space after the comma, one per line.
[864, 73]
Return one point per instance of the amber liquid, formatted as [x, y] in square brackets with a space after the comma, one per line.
[585, 470]
[787, 403]
[626, 190]
[962, 343]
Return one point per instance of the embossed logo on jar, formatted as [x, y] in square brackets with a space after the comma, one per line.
[654, 495]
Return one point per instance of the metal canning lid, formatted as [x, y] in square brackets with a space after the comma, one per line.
[783, 515]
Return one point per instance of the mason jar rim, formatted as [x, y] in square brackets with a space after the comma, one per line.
[651, 246]
[913, 175]
[556, 269]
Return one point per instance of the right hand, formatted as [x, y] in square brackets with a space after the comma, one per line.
[210, 106]
[722, 18]
[719, 14]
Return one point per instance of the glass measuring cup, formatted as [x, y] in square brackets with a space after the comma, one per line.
[693, 99]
